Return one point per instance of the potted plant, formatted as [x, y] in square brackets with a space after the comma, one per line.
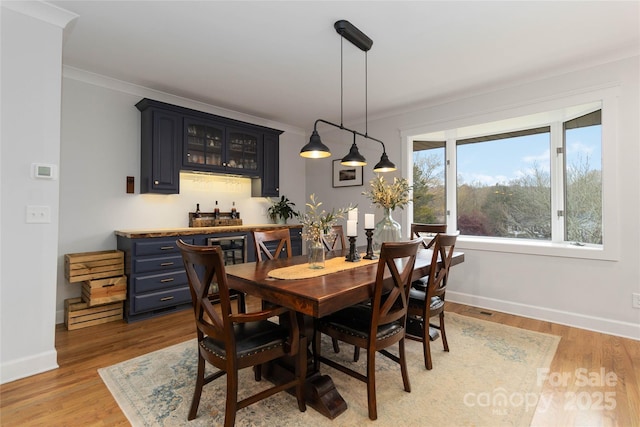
[281, 210]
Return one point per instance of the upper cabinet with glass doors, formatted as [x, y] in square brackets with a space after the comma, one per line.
[214, 147]
[176, 138]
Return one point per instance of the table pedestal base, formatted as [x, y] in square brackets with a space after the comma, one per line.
[320, 391]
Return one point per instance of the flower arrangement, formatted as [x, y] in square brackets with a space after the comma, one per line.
[389, 196]
[317, 221]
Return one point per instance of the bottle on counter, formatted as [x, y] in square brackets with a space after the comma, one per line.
[216, 211]
[197, 214]
[234, 213]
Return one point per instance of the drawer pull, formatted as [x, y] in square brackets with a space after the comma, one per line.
[166, 264]
[167, 280]
[108, 285]
[166, 299]
[166, 248]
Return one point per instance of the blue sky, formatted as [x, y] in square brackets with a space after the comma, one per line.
[500, 161]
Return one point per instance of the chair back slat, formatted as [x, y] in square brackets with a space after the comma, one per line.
[440, 263]
[337, 243]
[279, 235]
[204, 265]
[427, 231]
[390, 305]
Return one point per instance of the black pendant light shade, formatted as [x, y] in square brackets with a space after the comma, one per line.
[354, 158]
[315, 149]
[384, 165]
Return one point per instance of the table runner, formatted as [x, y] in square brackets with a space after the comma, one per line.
[332, 265]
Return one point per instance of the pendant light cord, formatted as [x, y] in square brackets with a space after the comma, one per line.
[341, 82]
[366, 93]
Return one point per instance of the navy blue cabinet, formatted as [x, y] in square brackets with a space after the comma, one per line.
[176, 138]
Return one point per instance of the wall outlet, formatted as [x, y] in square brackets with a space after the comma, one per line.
[636, 300]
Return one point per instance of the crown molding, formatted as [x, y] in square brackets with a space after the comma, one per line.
[43, 11]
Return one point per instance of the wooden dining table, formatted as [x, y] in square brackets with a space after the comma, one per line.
[316, 297]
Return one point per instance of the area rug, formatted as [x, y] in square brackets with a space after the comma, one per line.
[489, 378]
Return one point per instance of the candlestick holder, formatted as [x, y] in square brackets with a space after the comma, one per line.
[353, 255]
[369, 233]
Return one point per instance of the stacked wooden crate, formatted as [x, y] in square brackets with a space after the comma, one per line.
[104, 287]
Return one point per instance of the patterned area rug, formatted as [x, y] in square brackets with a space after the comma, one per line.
[489, 378]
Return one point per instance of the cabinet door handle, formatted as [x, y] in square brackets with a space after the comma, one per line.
[167, 280]
[166, 299]
[156, 182]
[166, 248]
[166, 264]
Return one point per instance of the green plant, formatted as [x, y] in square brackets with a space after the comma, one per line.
[389, 196]
[317, 222]
[282, 208]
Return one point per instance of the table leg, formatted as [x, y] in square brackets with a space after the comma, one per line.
[320, 391]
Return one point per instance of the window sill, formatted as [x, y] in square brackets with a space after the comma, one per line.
[536, 247]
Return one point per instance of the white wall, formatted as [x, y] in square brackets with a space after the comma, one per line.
[100, 147]
[31, 74]
[591, 294]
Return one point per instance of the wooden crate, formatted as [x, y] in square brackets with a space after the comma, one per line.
[93, 265]
[104, 291]
[78, 314]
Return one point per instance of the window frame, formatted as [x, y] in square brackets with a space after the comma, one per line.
[609, 250]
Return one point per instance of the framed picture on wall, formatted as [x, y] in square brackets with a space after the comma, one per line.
[346, 176]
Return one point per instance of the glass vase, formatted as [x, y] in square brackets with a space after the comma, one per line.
[387, 230]
[316, 253]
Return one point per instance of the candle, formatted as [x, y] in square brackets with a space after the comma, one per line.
[353, 215]
[352, 227]
[368, 221]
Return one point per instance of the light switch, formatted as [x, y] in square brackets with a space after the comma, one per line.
[38, 215]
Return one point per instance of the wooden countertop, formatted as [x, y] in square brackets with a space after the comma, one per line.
[186, 231]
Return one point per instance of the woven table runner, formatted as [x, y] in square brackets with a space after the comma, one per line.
[332, 265]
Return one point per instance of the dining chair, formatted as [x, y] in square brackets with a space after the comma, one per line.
[336, 241]
[428, 301]
[231, 342]
[271, 244]
[378, 324]
[427, 230]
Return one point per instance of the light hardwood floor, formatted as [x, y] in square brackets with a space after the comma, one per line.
[74, 394]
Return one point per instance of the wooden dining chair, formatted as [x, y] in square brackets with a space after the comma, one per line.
[427, 230]
[271, 244]
[231, 342]
[428, 302]
[376, 325]
[331, 243]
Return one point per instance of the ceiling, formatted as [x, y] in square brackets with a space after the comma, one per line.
[280, 60]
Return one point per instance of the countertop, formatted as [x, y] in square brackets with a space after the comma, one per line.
[187, 231]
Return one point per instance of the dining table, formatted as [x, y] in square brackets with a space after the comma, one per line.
[312, 294]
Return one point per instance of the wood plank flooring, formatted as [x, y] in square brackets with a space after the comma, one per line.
[74, 394]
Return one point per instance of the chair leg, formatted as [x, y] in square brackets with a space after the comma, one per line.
[257, 372]
[356, 353]
[371, 383]
[336, 346]
[426, 342]
[403, 366]
[301, 373]
[195, 402]
[442, 332]
[232, 399]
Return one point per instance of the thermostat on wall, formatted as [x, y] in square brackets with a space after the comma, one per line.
[44, 171]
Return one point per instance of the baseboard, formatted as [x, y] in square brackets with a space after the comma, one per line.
[32, 365]
[591, 323]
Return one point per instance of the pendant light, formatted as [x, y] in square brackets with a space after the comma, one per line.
[315, 149]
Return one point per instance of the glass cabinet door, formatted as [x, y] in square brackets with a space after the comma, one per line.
[203, 144]
[242, 151]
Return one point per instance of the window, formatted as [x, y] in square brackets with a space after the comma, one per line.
[429, 205]
[530, 178]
